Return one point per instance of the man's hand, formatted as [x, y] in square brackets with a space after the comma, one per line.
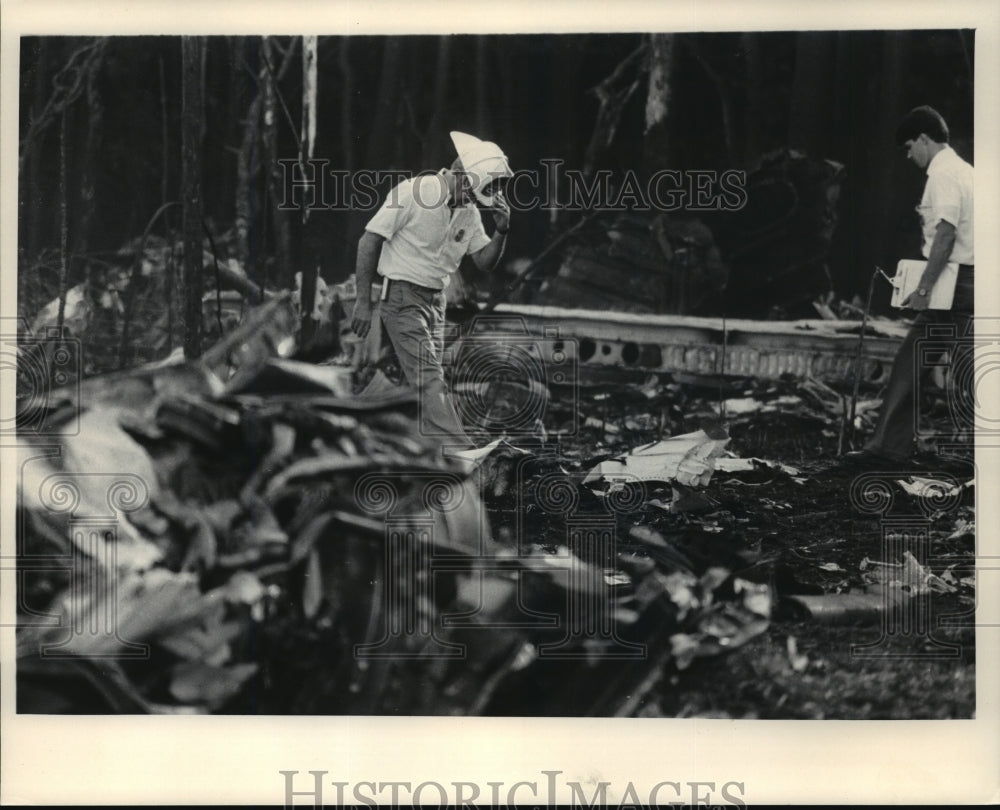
[501, 213]
[488, 257]
[361, 320]
[937, 258]
[916, 301]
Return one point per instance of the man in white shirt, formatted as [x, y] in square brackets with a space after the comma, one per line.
[416, 242]
[946, 212]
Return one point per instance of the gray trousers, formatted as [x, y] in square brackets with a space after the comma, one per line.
[413, 318]
[898, 417]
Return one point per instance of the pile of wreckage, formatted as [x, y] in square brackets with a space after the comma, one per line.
[244, 533]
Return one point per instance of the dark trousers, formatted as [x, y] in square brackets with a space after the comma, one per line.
[898, 418]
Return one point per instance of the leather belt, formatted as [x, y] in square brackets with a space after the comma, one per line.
[385, 286]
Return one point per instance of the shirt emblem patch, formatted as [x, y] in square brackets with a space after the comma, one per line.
[459, 235]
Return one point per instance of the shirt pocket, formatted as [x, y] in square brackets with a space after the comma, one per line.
[456, 244]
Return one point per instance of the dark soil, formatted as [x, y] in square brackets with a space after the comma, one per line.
[903, 672]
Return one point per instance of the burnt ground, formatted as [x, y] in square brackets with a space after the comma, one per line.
[758, 680]
[799, 534]
[801, 667]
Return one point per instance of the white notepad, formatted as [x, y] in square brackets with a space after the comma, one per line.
[907, 280]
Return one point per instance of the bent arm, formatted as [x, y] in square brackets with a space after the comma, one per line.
[488, 257]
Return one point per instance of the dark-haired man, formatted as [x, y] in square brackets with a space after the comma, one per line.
[945, 211]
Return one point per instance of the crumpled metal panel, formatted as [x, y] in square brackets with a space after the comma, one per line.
[824, 350]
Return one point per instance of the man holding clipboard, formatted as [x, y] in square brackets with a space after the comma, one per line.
[946, 213]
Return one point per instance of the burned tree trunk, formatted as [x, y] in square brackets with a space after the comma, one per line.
[613, 93]
[754, 117]
[244, 172]
[482, 86]
[31, 176]
[91, 147]
[383, 125]
[63, 225]
[164, 138]
[193, 112]
[346, 101]
[656, 147]
[891, 109]
[385, 110]
[435, 125]
[279, 217]
[307, 140]
[260, 119]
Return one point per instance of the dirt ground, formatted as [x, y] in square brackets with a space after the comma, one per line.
[806, 669]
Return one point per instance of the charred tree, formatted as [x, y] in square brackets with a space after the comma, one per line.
[563, 102]
[439, 99]
[379, 138]
[753, 64]
[613, 93]
[94, 111]
[656, 146]
[30, 178]
[482, 87]
[192, 103]
[279, 217]
[257, 151]
[246, 163]
[346, 101]
[307, 140]
[891, 109]
[63, 224]
[382, 126]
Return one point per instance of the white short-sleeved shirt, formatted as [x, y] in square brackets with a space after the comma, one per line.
[425, 239]
[948, 197]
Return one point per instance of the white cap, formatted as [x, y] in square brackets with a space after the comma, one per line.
[483, 161]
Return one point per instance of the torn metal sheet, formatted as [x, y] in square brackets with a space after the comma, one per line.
[932, 487]
[477, 454]
[820, 349]
[689, 459]
[909, 577]
[739, 406]
[735, 465]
